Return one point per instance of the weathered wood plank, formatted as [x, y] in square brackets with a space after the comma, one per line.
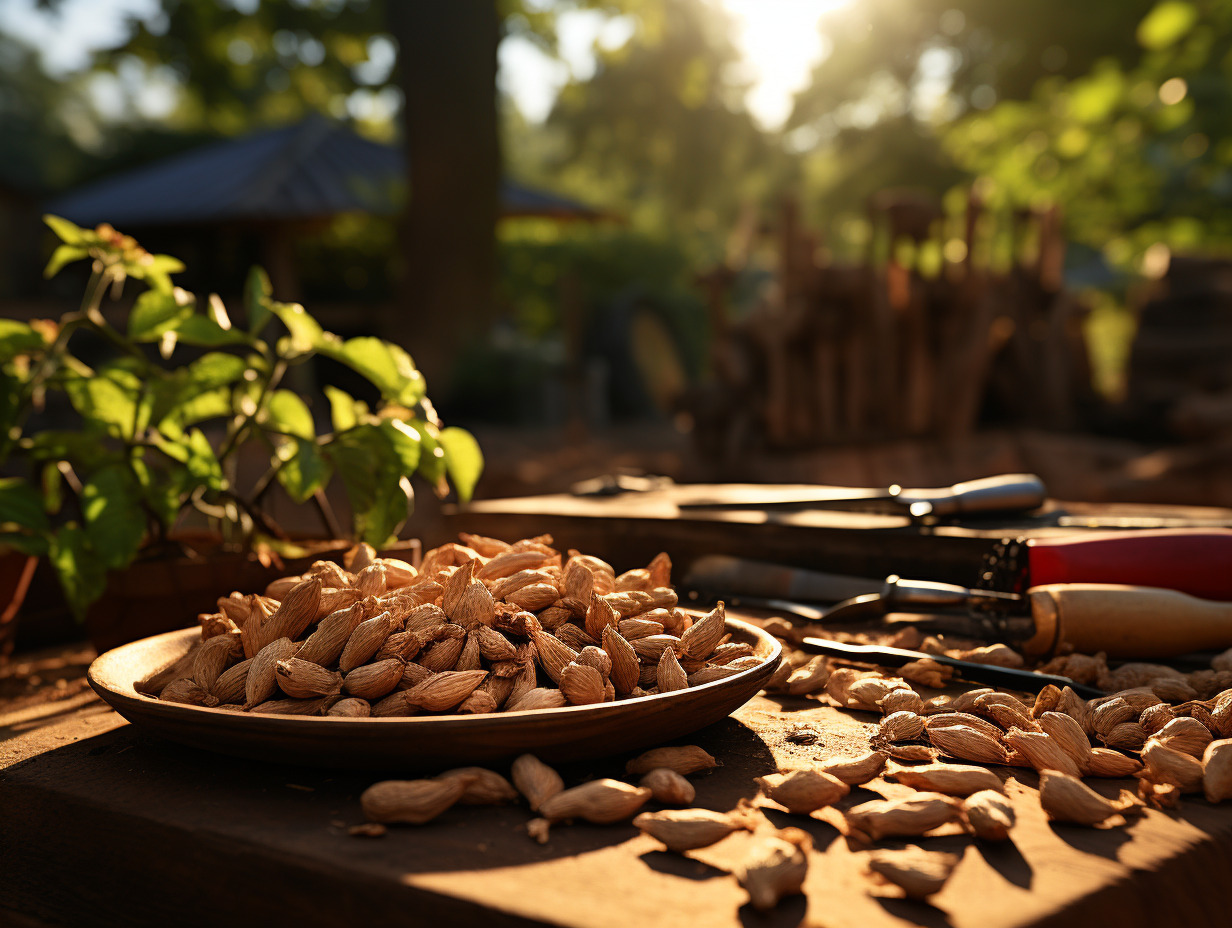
[105, 825]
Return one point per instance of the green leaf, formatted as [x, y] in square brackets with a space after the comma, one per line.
[306, 332]
[211, 404]
[344, 410]
[407, 443]
[157, 271]
[197, 455]
[104, 400]
[85, 449]
[371, 472]
[286, 412]
[82, 573]
[18, 338]
[26, 544]
[206, 333]
[164, 489]
[215, 369]
[156, 312]
[1166, 24]
[197, 392]
[115, 520]
[387, 366]
[53, 495]
[64, 254]
[70, 233]
[304, 469]
[257, 294]
[21, 505]
[202, 462]
[463, 460]
[432, 458]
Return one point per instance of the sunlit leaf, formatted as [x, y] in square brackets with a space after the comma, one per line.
[115, 521]
[286, 412]
[83, 576]
[407, 443]
[1167, 23]
[306, 332]
[107, 401]
[371, 471]
[18, 338]
[64, 254]
[432, 458]
[156, 312]
[257, 293]
[206, 333]
[344, 410]
[304, 470]
[156, 271]
[70, 233]
[463, 460]
[386, 365]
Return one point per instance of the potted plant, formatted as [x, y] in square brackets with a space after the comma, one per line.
[113, 464]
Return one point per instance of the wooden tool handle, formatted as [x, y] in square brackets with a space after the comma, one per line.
[1125, 621]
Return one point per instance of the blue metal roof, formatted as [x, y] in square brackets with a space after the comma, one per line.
[316, 168]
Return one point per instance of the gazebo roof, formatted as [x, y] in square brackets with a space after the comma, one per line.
[313, 169]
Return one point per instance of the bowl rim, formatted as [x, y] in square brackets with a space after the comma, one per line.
[102, 677]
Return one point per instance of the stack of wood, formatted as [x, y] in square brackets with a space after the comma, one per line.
[877, 350]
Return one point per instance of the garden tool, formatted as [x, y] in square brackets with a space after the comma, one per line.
[1122, 620]
[1004, 493]
[1008, 677]
[1193, 561]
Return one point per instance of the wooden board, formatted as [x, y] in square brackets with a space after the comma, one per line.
[105, 825]
[630, 529]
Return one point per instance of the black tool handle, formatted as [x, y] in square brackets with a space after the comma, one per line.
[1011, 678]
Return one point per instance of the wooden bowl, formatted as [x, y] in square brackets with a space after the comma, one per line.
[428, 742]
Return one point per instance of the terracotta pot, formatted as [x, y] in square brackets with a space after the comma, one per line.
[164, 594]
[16, 571]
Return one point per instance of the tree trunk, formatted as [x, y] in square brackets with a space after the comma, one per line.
[447, 59]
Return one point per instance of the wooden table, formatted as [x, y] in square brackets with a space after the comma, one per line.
[102, 824]
[631, 528]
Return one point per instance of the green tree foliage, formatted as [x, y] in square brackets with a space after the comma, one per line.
[896, 73]
[244, 66]
[659, 132]
[1141, 152]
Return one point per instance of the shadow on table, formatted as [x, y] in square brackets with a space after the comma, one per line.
[306, 810]
[789, 912]
[1006, 859]
[915, 911]
[680, 865]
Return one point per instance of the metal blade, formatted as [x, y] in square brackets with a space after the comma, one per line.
[1008, 677]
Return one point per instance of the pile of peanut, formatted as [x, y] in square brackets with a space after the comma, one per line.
[1157, 729]
[774, 865]
[479, 627]
[941, 748]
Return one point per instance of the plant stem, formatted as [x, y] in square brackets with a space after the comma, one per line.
[233, 439]
[327, 514]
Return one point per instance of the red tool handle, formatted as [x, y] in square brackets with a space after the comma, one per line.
[1197, 562]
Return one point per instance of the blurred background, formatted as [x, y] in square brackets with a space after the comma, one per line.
[847, 241]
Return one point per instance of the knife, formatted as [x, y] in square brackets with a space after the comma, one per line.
[1004, 493]
[1009, 677]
